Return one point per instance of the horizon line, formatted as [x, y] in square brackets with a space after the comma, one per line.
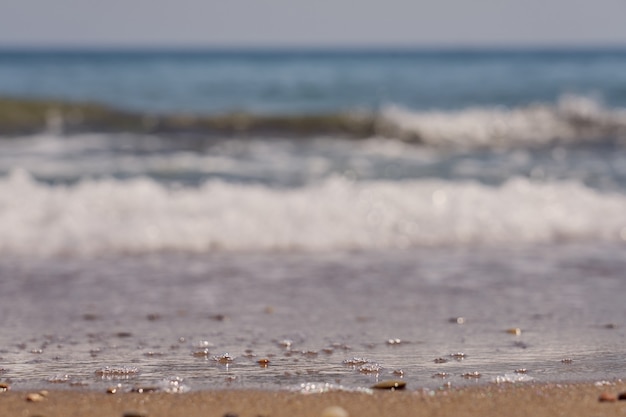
[139, 47]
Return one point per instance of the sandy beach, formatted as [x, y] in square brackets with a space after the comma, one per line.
[490, 400]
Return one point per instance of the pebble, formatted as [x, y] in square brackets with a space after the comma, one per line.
[112, 390]
[622, 396]
[459, 356]
[224, 358]
[202, 353]
[606, 397]
[35, 397]
[457, 320]
[134, 414]
[567, 360]
[334, 411]
[440, 360]
[263, 362]
[514, 330]
[469, 375]
[286, 343]
[390, 385]
[144, 390]
[4, 387]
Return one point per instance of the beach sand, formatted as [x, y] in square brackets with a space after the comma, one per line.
[486, 400]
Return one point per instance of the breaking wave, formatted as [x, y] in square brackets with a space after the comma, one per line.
[572, 119]
[138, 216]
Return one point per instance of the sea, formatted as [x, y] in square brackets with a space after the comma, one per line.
[479, 238]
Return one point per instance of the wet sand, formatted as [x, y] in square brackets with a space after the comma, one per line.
[512, 400]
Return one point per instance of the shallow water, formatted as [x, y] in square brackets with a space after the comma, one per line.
[494, 190]
[150, 318]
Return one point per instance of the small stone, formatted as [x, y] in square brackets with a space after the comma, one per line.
[4, 387]
[390, 385]
[440, 360]
[144, 390]
[514, 330]
[224, 359]
[285, 343]
[459, 356]
[134, 414]
[264, 362]
[90, 317]
[457, 320]
[567, 360]
[521, 371]
[112, 390]
[44, 393]
[471, 375]
[153, 316]
[622, 396]
[201, 353]
[34, 397]
[334, 411]
[441, 375]
[607, 397]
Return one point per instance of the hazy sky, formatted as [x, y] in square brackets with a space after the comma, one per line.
[312, 22]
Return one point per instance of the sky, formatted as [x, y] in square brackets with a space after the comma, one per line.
[311, 23]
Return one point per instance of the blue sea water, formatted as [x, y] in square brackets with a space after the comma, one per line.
[291, 81]
[496, 193]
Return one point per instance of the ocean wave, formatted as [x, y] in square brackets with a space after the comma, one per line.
[140, 216]
[572, 119]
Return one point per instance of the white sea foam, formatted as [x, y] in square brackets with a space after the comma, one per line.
[137, 216]
[572, 119]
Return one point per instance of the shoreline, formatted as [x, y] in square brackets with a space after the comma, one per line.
[537, 399]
